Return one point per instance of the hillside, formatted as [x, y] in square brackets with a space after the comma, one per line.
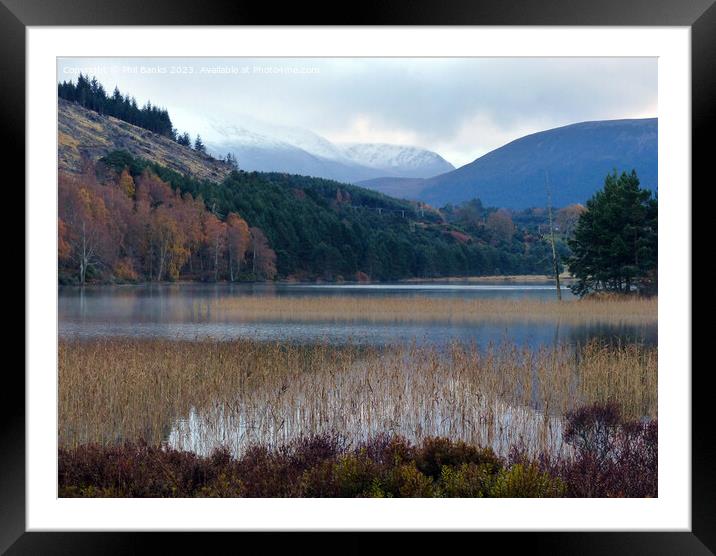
[158, 210]
[576, 157]
[83, 133]
[322, 229]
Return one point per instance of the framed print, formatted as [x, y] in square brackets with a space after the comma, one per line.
[399, 273]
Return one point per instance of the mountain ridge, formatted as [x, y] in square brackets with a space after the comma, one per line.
[574, 158]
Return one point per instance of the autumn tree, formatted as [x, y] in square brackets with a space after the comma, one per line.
[263, 257]
[86, 223]
[191, 213]
[64, 250]
[215, 234]
[126, 183]
[501, 225]
[238, 238]
[169, 243]
[152, 189]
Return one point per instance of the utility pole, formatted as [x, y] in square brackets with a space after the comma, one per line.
[551, 235]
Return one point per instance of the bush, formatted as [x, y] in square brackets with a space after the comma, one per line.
[438, 452]
[467, 481]
[614, 458]
[352, 475]
[611, 458]
[405, 481]
[526, 481]
[591, 429]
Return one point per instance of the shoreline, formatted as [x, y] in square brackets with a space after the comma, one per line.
[493, 278]
[531, 278]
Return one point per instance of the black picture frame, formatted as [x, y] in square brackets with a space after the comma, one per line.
[699, 15]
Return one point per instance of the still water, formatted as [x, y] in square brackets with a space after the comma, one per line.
[168, 311]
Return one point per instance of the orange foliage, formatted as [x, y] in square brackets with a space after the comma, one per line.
[142, 229]
[63, 246]
[237, 241]
[264, 258]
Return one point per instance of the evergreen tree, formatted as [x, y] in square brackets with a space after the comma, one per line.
[184, 140]
[614, 247]
[91, 94]
[231, 161]
[199, 145]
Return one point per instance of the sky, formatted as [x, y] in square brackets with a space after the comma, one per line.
[460, 108]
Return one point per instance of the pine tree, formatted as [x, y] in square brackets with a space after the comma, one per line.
[614, 247]
[199, 145]
[184, 140]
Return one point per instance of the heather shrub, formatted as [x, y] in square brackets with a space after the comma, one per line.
[351, 475]
[591, 429]
[309, 451]
[405, 481]
[611, 458]
[434, 453]
[469, 480]
[525, 481]
[279, 473]
[388, 450]
[134, 470]
[614, 458]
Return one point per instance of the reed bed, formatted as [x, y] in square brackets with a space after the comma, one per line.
[198, 395]
[422, 308]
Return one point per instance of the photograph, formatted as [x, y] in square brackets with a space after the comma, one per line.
[417, 269]
[357, 277]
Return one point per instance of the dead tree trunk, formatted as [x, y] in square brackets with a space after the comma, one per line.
[555, 263]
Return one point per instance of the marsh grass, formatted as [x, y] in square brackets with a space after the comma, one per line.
[199, 395]
[422, 308]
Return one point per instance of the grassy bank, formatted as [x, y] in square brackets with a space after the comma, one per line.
[199, 395]
[565, 278]
[421, 308]
[612, 458]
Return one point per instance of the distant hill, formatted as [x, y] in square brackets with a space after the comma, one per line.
[576, 157]
[401, 188]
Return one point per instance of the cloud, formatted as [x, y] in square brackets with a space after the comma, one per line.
[364, 128]
[458, 107]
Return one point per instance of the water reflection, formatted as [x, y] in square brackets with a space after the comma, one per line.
[184, 311]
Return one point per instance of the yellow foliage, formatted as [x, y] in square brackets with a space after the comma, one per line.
[126, 183]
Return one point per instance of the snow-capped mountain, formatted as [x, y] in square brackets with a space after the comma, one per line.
[398, 160]
[269, 148]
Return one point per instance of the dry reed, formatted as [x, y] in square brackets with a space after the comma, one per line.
[200, 394]
[422, 308]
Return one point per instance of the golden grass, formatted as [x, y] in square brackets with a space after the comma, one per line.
[66, 140]
[199, 394]
[421, 308]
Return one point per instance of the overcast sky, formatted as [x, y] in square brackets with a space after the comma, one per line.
[460, 108]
